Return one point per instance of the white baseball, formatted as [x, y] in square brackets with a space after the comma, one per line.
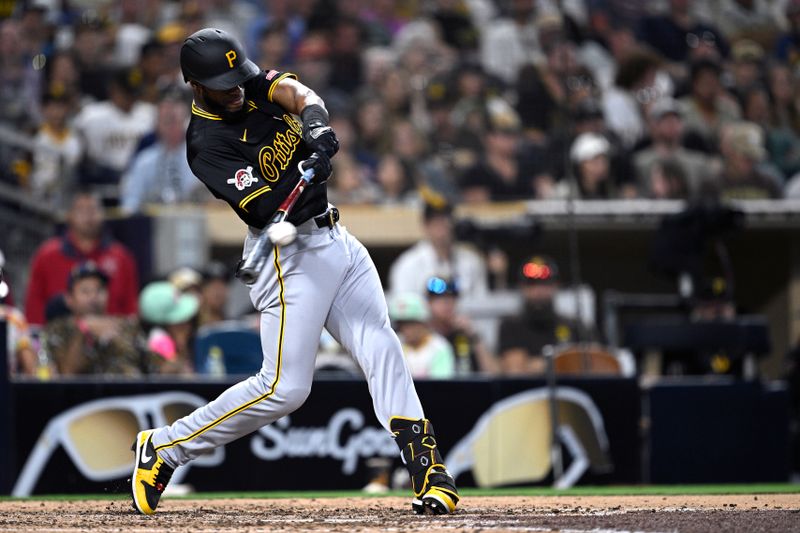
[282, 233]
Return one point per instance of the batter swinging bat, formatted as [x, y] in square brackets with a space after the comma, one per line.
[254, 261]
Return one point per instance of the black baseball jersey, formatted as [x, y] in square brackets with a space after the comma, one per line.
[251, 161]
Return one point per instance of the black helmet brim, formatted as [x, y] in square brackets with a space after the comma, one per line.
[228, 80]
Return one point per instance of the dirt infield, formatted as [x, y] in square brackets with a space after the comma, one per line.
[683, 514]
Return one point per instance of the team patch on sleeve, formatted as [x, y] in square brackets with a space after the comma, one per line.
[271, 74]
[243, 178]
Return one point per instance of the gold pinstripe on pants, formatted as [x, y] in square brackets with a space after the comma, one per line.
[272, 388]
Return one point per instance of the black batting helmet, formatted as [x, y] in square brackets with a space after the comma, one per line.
[214, 59]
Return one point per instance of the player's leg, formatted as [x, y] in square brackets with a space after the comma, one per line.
[359, 320]
[293, 309]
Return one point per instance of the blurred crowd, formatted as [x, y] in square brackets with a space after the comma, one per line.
[480, 100]
[86, 315]
[462, 101]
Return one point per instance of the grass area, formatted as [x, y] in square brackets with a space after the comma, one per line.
[658, 490]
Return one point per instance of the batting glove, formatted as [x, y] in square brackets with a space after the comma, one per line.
[321, 164]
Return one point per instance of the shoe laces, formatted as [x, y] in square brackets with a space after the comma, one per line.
[162, 477]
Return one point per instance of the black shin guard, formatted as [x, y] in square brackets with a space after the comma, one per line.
[434, 488]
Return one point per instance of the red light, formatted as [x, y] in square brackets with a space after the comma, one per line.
[536, 271]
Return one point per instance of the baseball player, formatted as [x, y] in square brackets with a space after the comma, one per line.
[245, 144]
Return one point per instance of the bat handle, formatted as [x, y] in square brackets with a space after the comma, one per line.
[253, 263]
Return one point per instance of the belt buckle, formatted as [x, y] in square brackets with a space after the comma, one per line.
[331, 217]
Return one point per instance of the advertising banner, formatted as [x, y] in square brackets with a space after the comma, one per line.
[75, 437]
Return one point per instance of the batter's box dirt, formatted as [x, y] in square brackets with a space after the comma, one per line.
[682, 514]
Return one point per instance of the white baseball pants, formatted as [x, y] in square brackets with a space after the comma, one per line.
[324, 278]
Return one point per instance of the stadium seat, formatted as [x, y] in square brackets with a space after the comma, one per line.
[240, 347]
[591, 359]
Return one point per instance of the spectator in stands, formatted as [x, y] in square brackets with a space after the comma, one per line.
[62, 77]
[36, 30]
[20, 345]
[586, 118]
[471, 87]
[544, 97]
[382, 20]
[787, 46]
[511, 41]
[273, 47]
[170, 37]
[187, 280]
[160, 174]
[130, 31]
[352, 185]
[470, 351]
[666, 129]
[277, 13]
[410, 146]
[87, 340]
[20, 349]
[522, 337]
[168, 316]
[438, 254]
[155, 71]
[500, 174]
[782, 143]
[708, 106]
[372, 129]
[395, 92]
[638, 83]
[666, 180]
[451, 149]
[20, 82]
[785, 112]
[753, 19]
[312, 61]
[746, 68]
[457, 27]
[591, 164]
[397, 185]
[57, 152]
[427, 353]
[83, 240]
[606, 45]
[214, 293]
[676, 33]
[743, 174]
[112, 129]
[421, 52]
[346, 41]
[92, 48]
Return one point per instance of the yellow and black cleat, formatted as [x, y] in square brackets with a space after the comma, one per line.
[150, 474]
[434, 488]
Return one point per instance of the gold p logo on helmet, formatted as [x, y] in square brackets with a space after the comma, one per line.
[230, 55]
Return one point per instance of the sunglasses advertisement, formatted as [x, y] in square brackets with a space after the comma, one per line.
[78, 439]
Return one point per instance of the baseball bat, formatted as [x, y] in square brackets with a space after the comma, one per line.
[254, 261]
